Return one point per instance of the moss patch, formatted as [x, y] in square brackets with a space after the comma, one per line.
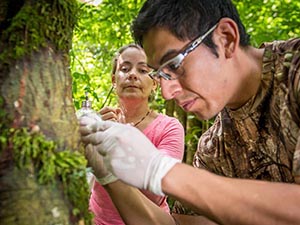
[31, 151]
[38, 25]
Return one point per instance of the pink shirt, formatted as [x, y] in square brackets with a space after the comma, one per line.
[167, 134]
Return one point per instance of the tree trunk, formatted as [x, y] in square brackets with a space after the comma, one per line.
[36, 94]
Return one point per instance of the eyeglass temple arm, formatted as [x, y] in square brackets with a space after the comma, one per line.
[199, 40]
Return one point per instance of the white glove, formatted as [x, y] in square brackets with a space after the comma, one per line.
[132, 156]
[96, 161]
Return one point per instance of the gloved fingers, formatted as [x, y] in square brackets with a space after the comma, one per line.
[95, 160]
[88, 124]
[105, 130]
[127, 153]
[92, 115]
[89, 155]
[85, 120]
[95, 124]
[89, 152]
[85, 130]
[105, 125]
[93, 138]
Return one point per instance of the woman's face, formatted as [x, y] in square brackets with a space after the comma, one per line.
[131, 78]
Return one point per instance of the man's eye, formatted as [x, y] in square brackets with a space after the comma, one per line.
[173, 66]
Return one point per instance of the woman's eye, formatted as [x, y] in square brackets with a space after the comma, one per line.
[124, 69]
[144, 71]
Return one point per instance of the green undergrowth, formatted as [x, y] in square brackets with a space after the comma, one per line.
[33, 151]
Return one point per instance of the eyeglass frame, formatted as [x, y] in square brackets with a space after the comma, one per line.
[157, 74]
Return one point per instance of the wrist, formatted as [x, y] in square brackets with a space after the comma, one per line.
[160, 166]
[109, 178]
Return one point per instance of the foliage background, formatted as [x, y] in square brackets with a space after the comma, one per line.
[104, 28]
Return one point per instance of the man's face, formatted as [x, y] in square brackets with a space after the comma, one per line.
[204, 85]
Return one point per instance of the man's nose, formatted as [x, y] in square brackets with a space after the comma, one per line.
[170, 88]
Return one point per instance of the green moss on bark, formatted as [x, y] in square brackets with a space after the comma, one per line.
[40, 24]
[33, 153]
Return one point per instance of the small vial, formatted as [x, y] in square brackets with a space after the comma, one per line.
[86, 107]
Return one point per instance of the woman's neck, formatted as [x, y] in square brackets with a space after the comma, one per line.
[134, 111]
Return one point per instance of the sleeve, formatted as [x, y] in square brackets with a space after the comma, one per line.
[294, 97]
[296, 163]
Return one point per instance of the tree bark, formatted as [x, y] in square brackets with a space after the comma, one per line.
[36, 94]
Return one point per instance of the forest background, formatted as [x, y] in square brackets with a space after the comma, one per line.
[52, 52]
[105, 27]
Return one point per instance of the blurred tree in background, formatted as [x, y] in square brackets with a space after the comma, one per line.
[104, 28]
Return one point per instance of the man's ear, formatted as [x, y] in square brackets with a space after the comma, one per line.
[227, 35]
[113, 80]
[155, 85]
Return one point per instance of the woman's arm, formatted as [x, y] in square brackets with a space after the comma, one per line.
[135, 208]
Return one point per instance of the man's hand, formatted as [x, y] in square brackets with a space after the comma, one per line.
[131, 155]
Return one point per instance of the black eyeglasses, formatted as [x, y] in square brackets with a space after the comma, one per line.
[174, 64]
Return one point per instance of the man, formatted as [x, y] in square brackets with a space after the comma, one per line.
[250, 157]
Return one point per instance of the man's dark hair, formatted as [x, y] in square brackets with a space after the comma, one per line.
[186, 19]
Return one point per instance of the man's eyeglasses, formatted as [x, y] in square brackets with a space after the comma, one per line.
[173, 65]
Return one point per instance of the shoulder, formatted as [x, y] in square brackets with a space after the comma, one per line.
[167, 121]
[163, 126]
[167, 134]
[291, 45]
[166, 118]
[286, 69]
[283, 56]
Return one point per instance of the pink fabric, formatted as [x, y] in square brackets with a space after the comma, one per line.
[167, 134]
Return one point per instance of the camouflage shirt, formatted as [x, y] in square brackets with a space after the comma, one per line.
[258, 141]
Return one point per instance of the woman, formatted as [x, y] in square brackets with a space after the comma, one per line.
[133, 86]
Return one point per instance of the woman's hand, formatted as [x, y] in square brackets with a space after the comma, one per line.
[113, 114]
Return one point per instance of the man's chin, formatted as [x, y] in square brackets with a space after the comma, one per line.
[202, 116]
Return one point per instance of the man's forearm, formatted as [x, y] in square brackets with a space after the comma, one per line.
[192, 220]
[234, 201]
